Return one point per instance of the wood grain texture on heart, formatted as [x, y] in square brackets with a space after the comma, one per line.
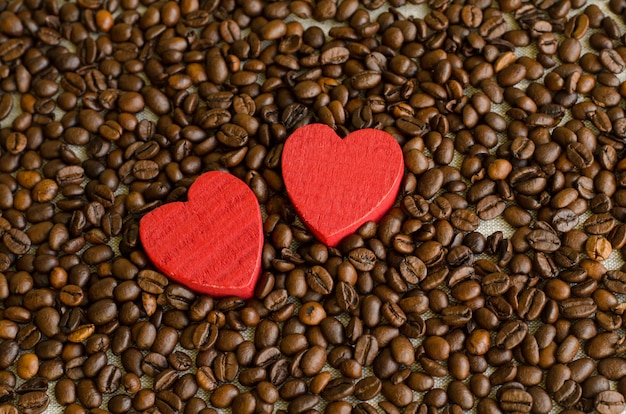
[337, 184]
[213, 242]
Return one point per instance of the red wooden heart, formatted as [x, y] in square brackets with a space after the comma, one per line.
[337, 184]
[213, 242]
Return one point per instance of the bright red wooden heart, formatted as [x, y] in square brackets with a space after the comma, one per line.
[337, 184]
[213, 242]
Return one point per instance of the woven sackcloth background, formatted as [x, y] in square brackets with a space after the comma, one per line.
[486, 227]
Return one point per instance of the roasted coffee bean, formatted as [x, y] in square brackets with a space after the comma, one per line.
[33, 402]
[311, 313]
[514, 399]
[568, 394]
[609, 402]
[456, 315]
[319, 280]
[490, 207]
[511, 334]
[543, 240]
[598, 248]
[338, 389]
[615, 280]
[564, 220]
[603, 345]
[124, 114]
[151, 282]
[362, 259]
[367, 388]
[366, 349]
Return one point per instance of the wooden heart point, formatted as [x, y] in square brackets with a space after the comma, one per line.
[213, 242]
[337, 184]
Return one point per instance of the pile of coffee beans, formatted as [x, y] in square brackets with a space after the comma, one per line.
[505, 109]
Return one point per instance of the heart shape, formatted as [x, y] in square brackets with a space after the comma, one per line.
[213, 242]
[337, 184]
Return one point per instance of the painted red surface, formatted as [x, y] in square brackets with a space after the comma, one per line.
[213, 242]
[337, 184]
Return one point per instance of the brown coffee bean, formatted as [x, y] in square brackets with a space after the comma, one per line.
[35, 401]
[543, 240]
[319, 280]
[228, 83]
[609, 402]
[311, 313]
[598, 248]
[362, 259]
[513, 399]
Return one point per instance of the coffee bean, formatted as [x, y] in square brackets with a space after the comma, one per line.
[464, 220]
[156, 100]
[609, 402]
[511, 334]
[362, 259]
[347, 297]
[614, 281]
[543, 240]
[151, 281]
[598, 248]
[456, 315]
[577, 308]
[35, 402]
[515, 400]
[490, 207]
[319, 280]
[367, 388]
[338, 389]
[228, 83]
[311, 313]
[16, 241]
[611, 60]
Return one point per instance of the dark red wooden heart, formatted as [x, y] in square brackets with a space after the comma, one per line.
[213, 242]
[337, 184]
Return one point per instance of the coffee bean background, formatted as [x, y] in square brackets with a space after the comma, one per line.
[482, 290]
